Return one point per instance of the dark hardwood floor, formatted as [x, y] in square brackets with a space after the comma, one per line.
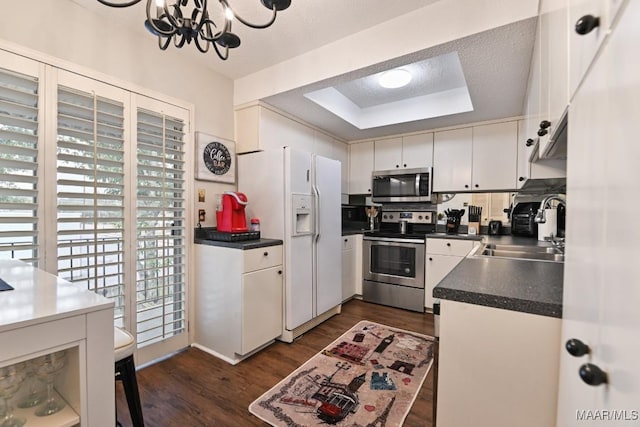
[194, 388]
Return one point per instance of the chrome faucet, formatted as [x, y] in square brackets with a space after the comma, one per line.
[540, 216]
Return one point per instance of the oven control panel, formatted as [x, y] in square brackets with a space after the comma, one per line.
[420, 217]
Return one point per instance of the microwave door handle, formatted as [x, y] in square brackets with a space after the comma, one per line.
[417, 193]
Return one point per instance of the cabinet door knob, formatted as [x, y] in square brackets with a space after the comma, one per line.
[545, 124]
[476, 185]
[430, 259]
[280, 272]
[576, 348]
[521, 179]
[466, 186]
[405, 165]
[448, 244]
[346, 240]
[542, 132]
[529, 142]
[397, 166]
[592, 375]
[266, 254]
[586, 24]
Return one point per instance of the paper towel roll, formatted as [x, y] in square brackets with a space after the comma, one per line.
[550, 227]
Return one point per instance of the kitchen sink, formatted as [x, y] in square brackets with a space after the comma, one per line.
[536, 253]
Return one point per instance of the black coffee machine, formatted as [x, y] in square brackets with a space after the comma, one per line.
[523, 219]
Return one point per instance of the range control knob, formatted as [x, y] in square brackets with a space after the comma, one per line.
[390, 216]
[420, 217]
[384, 216]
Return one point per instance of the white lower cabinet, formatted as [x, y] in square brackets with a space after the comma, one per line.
[497, 368]
[351, 266]
[437, 267]
[238, 300]
[442, 257]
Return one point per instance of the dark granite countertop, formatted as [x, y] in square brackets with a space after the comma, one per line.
[512, 284]
[242, 245]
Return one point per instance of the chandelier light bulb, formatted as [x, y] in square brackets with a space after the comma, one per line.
[228, 13]
[395, 78]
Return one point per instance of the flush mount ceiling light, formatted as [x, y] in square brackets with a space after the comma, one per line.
[395, 78]
[174, 19]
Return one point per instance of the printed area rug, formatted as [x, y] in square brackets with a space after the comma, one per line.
[370, 376]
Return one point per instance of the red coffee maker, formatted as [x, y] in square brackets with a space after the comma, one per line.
[231, 218]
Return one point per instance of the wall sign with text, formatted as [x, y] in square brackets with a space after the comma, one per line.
[215, 159]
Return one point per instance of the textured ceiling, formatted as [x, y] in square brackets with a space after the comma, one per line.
[428, 76]
[495, 64]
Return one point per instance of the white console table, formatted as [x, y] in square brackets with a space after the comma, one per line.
[44, 314]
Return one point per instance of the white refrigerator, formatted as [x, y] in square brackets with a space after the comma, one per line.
[296, 196]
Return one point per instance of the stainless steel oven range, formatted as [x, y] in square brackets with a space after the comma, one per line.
[394, 271]
[394, 262]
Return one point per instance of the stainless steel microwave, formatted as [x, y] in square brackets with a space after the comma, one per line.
[402, 185]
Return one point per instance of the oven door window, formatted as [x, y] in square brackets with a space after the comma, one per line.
[393, 260]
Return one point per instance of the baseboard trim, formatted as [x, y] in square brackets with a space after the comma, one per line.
[231, 360]
[289, 336]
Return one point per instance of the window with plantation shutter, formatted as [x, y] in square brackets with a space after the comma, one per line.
[19, 166]
[90, 193]
[160, 229]
[103, 202]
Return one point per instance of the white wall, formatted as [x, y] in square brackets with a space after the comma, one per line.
[65, 30]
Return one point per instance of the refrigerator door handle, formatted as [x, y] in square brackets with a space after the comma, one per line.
[316, 215]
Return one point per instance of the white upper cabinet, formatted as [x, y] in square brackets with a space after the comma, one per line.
[388, 154]
[360, 167]
[452, 160]
[554, 67]
[258, 128]
[524, 149]
[589, 21]
[478, 158]
[417, 150]
[494, 156]
[532, 105]
[407, 152]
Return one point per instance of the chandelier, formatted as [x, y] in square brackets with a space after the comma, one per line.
[178, 21]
